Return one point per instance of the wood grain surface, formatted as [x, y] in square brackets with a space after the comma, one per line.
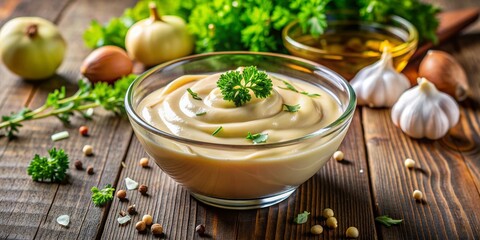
[371, 182]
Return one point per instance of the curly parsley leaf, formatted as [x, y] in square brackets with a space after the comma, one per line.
[49, 169]
[388, 221]
[101, 197]
[236, 86]
[257, 137]
[301, 218]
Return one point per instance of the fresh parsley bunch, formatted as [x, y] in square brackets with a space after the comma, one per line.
[49, 169]
[101, 197]
[88, 96]
[256, 25]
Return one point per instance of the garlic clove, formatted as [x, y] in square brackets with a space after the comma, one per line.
[423, 111]
[446, 73]
[379, 84]
[106, 64]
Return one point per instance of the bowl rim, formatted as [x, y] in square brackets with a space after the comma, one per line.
[410, 43]
[343, 119]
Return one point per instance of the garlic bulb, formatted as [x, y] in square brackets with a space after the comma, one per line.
[379, 85]
[423, 111]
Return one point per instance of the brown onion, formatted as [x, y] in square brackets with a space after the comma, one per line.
[106, 64]
[446, 73]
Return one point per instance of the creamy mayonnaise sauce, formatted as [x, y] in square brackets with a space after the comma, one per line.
[232, 172]
[173, 109]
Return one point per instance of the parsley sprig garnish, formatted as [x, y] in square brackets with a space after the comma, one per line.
[49, 169]
[257, 137]
[388, 221]
[88, 96]
[101, 197]
[236, 86]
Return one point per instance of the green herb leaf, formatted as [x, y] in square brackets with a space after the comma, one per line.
[200, 113]
[193, 94]
[257, 137]
[301, 218]
[101, 197]
[388, 221]
[51, 169]
[217, 130]
[291, 108]
[236, 86]
[289, 86]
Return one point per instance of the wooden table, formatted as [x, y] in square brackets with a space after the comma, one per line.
[372, 182]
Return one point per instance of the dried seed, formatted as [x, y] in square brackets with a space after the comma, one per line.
[78, 165]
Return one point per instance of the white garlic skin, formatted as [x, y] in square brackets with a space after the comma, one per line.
[423, 111]
[379, 84]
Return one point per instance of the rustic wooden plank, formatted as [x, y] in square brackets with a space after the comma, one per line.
[443, 172]
[450, 209]
[341, 186]
[111, 136]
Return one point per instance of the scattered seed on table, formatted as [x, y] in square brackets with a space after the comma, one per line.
[143, 162]
[157, 229]
[83, 130]
[338, 155]
[141, 226]
[200, 229]
[90, 170]
[409, 163]
[352, 232]
[417, 195]
[87, 150]
[143, 189]
[332, 222]
[78, 165]
[132, 210]
[122, 213]
[327, 212]
[316, 229]
[121, 194]
[147, 219]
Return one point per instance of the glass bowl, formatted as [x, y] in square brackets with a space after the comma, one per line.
[241, 176]
[348, 45]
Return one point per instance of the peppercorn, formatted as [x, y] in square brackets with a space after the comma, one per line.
[87, 150]
[132, 210]
[417, 195]
[143, 162]
[200, 229]
[143, 189]
[157, 229]
[83, 130]
[316, 229]
[327, 212]
[90, 170]
[409, 163]
[352, 232]
[338, 155]
[147, 219]
[141, 226]
[122, 213]
[121, 194]
[332, 222]
[78, 165]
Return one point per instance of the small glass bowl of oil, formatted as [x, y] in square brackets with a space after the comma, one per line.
[347, 46]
